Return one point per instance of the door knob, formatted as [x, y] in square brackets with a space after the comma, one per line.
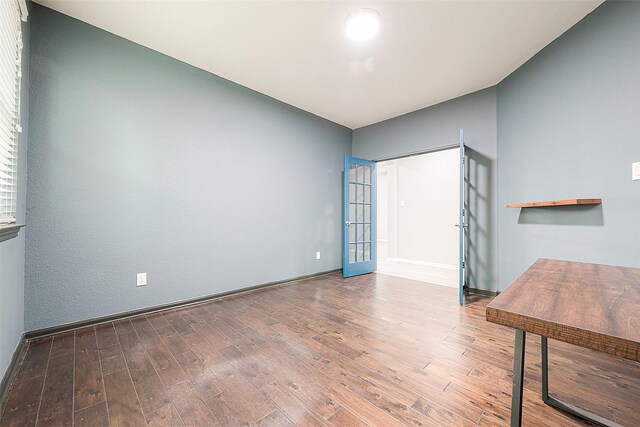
[347, 223]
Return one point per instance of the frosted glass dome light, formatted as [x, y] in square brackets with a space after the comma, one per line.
[363, 24]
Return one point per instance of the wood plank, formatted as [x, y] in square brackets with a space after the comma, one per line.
[206, 384]
[254, 372]
[166, 366]
[181, 326]
[106, 335]
[338, 346]
[89, 386]
[112, 359]
[166, 416]
[344, 418]
[21, 408]
[123, 327]
[364, 379]
[147, 384]
[194, 315]
[300, 379]
[440, 415]
[63, 344]
[130, 343]
[174, 342]
[191, 363]
[275, 419]
[86, 347]
[93, 416]
[227, 331]
[206, 353]
[360, 407]
[292, 407]
[228, 411]
[471, 405]
[56, 406]
[212, 336]
[124, 407]
[158, 321]
[35, 360]
[148, 336]
[393, 401]
[240, 394]
[193, 410]
[566, 202]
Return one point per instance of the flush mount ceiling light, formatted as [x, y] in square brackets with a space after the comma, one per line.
[362, 24]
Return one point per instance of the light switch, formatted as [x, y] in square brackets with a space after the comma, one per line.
[635, 171]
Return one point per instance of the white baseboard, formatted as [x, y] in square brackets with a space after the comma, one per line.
[439, 274]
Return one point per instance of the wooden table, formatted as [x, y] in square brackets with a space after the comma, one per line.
[589, 305]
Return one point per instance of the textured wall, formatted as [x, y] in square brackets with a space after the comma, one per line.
[568, 127]
[439, 126]
[12, 251]
[141, 163]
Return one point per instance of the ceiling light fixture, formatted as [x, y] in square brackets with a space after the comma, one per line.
[363, 24]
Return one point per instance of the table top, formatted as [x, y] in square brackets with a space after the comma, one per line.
[589, 305]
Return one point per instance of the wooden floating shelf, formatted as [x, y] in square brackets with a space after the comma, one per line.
[567, 202]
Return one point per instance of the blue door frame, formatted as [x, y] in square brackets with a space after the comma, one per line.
[461, 224]
[359, 217]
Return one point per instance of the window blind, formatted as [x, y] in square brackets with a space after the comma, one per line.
[10, 62]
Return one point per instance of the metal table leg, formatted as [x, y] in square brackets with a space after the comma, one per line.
[596, 419]
[518, 379]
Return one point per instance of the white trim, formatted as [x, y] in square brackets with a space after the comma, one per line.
[24, 10]
[7, 220]
[424, 263]
[439, 274]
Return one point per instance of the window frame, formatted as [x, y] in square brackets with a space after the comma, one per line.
[9, 228]
[15, 13]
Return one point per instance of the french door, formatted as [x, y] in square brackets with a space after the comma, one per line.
[359, 217]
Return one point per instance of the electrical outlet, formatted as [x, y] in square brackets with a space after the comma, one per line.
[141, 279]
[635, 171]
[317, 255]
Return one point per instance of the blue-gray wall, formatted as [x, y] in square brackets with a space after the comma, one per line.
[141, 163]
[439, 126]
[12, 251]
[568, 127]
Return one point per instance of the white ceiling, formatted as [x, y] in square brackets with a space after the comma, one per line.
[296, 51]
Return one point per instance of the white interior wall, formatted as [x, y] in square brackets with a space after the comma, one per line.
[418, 202]
[382, 203]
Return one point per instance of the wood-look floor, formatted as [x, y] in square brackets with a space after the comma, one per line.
[369, 350]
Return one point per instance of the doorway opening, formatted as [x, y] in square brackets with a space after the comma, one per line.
[418, 205]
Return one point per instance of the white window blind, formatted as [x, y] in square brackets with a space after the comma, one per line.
[10, 61]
